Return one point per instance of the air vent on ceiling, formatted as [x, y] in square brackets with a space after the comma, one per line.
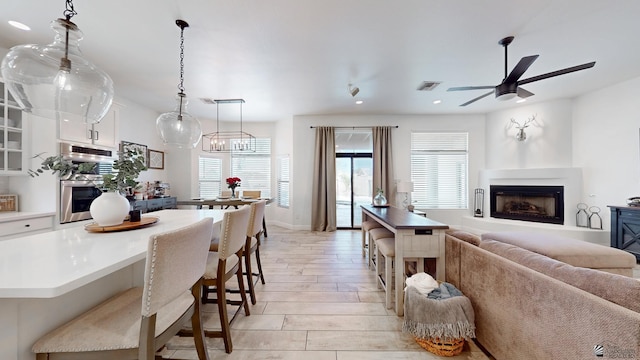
[428, 85]
[208, 101]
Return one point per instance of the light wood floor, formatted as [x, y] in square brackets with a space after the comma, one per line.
[320, 302]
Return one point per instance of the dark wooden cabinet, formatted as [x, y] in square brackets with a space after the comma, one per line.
[155, 204]
[625, 229]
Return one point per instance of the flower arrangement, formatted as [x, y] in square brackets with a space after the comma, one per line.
[233, 182]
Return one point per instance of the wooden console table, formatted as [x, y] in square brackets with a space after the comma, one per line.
[625, 229]
[415, 237]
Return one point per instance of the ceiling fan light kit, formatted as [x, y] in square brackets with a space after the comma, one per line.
[55, 80]
[509, 88]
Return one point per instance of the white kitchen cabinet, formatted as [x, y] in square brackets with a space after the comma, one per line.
[14, 127]
[102, 133]
[23, 224]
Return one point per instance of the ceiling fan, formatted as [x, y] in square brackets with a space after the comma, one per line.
[510, 85]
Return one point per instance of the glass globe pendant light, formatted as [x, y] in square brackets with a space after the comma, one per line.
[179, 128]
[55, 81]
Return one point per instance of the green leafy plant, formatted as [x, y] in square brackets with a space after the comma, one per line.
[63, 167]
[126, 168]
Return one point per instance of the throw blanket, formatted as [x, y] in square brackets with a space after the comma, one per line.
[447, 318]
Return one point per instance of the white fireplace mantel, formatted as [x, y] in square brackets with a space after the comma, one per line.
[569, 178]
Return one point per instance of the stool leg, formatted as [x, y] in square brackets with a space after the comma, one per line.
[388, 279]
[379, 266]
[364, 242]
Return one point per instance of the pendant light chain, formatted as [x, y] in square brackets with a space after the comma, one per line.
[69, 12]
[181, 85]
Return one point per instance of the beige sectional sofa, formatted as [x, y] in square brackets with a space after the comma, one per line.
[531, 306]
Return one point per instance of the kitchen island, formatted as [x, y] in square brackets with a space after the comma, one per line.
[50, 278]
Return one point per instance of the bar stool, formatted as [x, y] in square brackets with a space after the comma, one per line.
[385, 248]
[366, 227]
[374, 235]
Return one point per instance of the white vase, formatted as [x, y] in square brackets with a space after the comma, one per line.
[109, 209]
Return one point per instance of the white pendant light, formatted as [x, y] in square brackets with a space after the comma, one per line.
[178, 128]
[55, 80]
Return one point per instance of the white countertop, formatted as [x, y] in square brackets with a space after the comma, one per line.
[7, 216]
[53, 263]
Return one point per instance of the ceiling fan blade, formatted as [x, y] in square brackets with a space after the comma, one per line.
[478, 98]
[520, 68]
[522, 93]
[470, 88]
[558, 72]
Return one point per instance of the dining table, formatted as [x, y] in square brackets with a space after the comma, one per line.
[226, 203]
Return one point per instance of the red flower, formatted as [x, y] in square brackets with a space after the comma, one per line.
[233, 182]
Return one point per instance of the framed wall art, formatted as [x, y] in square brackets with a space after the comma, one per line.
[156, 159]
[125, 145]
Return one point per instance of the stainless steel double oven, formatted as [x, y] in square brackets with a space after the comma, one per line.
[76, 195]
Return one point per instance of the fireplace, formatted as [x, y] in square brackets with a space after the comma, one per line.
[543, 204]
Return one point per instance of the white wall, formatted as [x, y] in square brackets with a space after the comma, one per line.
[548, 143]
[304, 143]
[606, 124]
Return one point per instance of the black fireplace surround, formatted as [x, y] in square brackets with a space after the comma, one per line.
[543, 204]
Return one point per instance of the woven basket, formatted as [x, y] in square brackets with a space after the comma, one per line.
[442, 348]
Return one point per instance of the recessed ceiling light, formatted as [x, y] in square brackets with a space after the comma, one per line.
[521, 101]
[436, 102]
[19, 25]
[359, 102]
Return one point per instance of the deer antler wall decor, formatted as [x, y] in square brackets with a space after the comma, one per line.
[521, 135]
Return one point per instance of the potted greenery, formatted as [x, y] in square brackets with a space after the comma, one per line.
[66, 169]
[112, 206]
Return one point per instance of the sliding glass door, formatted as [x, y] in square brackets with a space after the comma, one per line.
[354, 175]
[353, 188]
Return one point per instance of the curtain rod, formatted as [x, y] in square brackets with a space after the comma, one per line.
[351, 127]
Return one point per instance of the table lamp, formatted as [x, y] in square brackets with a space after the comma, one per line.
[405, 187]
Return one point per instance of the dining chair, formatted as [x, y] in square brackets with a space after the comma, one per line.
[136, 323]
[252, 246]
[253, 194]
[222, 266]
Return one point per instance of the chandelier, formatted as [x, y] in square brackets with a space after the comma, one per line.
[55, 81]
[228, 141]
[179, 128]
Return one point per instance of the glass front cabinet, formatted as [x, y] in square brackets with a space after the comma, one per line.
[13, 132]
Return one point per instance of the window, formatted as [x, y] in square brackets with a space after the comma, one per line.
[209, 177]
[439, 170]
[283, 181]
[254, 168]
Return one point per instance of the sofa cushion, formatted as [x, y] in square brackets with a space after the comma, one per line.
[570, 251]
[620, 290]
[465, 236]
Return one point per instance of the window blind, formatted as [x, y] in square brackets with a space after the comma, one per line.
[209, 177]
[439, 170]
[254, 168]
[283, 181]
